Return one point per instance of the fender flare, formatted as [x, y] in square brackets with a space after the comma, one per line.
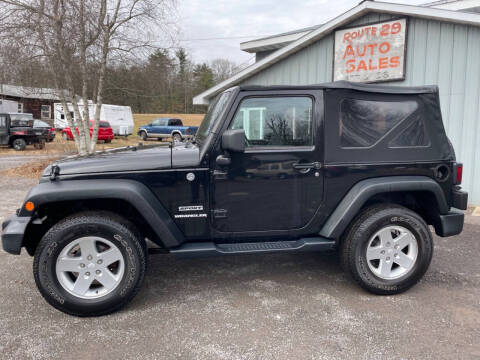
[359, 194]
[134, 192]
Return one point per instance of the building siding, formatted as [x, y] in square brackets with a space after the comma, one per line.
[440, 53]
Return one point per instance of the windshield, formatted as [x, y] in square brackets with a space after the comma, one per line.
[20, 116]
[212, 115]
[21, 120]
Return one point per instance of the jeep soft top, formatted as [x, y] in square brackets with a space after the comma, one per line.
[360, 169]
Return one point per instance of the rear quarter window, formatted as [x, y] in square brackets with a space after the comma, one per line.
[364, 122]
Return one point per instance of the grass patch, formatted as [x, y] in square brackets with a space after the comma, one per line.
[31, 170]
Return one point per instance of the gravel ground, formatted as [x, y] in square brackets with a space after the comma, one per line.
[252, 307]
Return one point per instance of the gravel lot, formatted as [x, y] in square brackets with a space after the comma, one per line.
[252, 307]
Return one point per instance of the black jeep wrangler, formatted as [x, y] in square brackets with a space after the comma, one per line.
[364, 169]
[17, 131]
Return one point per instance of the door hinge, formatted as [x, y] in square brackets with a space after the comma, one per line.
[219, 213]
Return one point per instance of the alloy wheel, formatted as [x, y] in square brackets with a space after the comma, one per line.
[392, 252]
[90, 267]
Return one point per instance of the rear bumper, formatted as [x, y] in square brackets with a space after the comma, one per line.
[106, 137]
[450, 224]
[13, 231]
[460, 199]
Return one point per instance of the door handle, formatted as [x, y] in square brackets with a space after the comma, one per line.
[307, 166]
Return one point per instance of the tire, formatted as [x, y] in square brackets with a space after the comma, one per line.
[144, 135]
[370, 234]
[65, 136]
[87, 228]
[39, 145]
[177, 137]
[19, 144]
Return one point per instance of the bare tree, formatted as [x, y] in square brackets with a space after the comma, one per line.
[223, 69]
[73, 37]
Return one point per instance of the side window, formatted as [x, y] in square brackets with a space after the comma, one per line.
[45, 111]
[364, 122]
[414, 135]
[3, 121]
[275, 121]
[157, 122]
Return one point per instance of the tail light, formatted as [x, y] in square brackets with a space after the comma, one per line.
[52, 129]
[19, 133]
[458, 173]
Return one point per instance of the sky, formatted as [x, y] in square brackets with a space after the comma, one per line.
[228, 23]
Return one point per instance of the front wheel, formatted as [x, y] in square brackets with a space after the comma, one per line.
[387, 249]
[90, 264]
[143, 135]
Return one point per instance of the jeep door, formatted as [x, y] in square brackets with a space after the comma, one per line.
[277, 183]
[3, 130]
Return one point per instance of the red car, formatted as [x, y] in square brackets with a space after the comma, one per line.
[105, 131]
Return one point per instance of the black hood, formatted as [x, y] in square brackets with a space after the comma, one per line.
[129, 159]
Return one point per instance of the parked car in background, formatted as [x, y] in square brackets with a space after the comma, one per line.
[17, 131]
[39, 124]
[119, 117]
[167, 127]
[105, 131]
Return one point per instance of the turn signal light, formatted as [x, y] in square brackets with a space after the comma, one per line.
[29, 206]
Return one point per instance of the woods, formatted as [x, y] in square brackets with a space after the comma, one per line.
[108, 51]
[165, 82]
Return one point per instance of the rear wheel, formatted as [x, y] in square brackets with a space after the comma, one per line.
[387, 249]
[39, 145]
[19, 144]
[90, 264]
[177, 137]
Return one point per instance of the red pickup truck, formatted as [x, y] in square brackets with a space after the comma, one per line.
[105, 131]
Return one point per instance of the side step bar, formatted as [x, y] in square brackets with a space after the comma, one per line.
[212, 249]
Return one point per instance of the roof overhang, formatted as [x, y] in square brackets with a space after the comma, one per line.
[459, 5]
[273, 42]
[343, 19]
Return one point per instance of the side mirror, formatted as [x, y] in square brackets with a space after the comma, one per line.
[234, 140]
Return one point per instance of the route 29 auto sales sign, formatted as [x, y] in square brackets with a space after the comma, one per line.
[371, 53]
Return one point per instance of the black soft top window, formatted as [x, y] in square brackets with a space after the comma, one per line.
[364, 122]
[366, 127]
